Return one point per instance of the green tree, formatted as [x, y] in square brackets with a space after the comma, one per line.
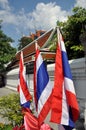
[71, 30]
[23, 42]
[7, 52]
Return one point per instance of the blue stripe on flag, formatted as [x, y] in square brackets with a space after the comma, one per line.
[67, 127]
[71, 122]
[66, 67]
[26, 105]
[42, 79]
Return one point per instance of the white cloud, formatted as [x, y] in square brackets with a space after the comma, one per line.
[4, 4]
[81, 3]
[6, 13]
[8, 17]
[44, 16]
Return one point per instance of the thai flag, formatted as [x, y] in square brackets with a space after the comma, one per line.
[25, 95]
[42, 87]
[65, 108]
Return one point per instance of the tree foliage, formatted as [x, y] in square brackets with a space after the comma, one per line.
[23, 42]
[5, 126]
[10, 108]
[71, 30]
[7, 52]
[53, 43]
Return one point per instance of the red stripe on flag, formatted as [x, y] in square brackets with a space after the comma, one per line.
[72, 102]
[35, 78]
[57, 91]
[25, 89]
[35, 91]
[44, 111]
[22, 81]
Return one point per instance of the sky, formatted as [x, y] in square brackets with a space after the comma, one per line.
[23, 17]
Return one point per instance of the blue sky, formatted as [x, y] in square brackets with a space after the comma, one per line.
[22, 17]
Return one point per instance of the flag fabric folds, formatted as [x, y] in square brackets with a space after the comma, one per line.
[30, 121]
[42, 87]
[64, 107]
[25, 95]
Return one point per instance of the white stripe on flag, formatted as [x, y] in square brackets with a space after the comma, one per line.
[44, 96]
[22, 97]
[69, 85]
[65, 113]
[39, 62]
[63, 46]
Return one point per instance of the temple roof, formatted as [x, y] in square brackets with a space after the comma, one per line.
[29, 50]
